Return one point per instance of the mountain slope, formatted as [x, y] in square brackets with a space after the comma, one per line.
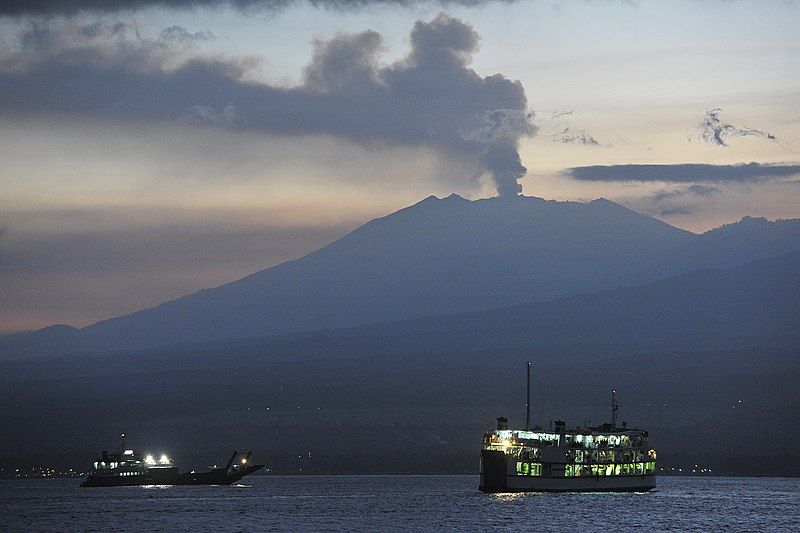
[696, 358]
[435, 257]
[756, 304]
[748, 240]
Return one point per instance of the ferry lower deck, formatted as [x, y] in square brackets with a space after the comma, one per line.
[503, 473]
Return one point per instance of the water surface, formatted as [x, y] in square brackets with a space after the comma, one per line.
[397, 503]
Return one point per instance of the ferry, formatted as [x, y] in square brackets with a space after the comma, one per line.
[128, 468]
[605, 458]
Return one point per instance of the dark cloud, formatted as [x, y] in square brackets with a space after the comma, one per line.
[683, 173]
[713, 130]
[691, 190]
[431, 97]
[676, 200]
[181, 34]
[674, 212]
[71, 7]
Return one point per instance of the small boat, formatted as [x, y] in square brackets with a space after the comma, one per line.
[128, 468]
[605, 458]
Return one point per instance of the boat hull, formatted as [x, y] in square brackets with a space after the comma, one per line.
[498, 475]
[213, 477]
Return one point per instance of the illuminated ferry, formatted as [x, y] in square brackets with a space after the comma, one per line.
[584, 459]
[128, 468]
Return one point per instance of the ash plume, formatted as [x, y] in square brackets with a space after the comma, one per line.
[431, 97]
[71, 7]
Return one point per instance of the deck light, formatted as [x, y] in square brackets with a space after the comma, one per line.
[149, 460]
[164, 460]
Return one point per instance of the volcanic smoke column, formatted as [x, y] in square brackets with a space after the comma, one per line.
[431, 97]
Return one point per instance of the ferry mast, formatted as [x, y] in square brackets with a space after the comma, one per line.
[614, 408]
[528, 401]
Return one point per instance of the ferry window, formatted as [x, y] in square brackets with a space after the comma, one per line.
[574, 470]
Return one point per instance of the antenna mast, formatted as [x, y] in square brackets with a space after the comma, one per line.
[528, 402]
[614, 409]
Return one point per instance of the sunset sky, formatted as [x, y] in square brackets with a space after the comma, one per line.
[154, 148]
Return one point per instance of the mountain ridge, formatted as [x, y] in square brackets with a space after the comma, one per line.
[435, 257]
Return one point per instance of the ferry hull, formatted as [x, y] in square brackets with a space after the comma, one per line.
[498, 475]
[214, 477]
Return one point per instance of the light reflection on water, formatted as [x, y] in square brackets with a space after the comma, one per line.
[421, 503]
[511, 496]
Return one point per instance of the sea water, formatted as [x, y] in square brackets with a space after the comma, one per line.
[421, 503]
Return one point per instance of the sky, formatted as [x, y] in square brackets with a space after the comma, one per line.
[151, 148]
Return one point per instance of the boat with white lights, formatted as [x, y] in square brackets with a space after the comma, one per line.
[128, 468]
[605, 458]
